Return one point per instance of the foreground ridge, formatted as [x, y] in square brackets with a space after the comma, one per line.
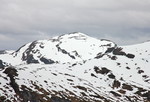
[75, 68]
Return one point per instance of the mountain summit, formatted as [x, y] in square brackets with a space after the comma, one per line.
[70, 48]
[75, 68]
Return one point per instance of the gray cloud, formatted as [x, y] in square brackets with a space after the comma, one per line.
[122, 21]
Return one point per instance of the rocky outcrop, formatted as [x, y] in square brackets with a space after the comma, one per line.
[47, 61]
[1, 64]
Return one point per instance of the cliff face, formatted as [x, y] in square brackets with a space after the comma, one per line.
[75, 68]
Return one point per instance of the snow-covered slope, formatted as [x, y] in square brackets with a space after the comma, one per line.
[70, 48]
[90, 70]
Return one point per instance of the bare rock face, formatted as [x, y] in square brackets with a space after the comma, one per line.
[1, 64]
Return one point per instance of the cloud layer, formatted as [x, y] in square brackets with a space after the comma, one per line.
[123, 21]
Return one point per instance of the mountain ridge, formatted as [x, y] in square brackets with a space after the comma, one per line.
[109, 73]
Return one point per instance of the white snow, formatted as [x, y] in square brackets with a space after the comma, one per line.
[64, 76]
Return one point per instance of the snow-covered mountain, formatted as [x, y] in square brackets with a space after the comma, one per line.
[70, 48]
[75, 68]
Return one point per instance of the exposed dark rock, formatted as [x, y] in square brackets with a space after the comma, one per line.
[27, 55]
[113, 57]
[2, 98]
[122, 91]
[111, 76]
[116, 84]
[29, 96]
[115, 94]
[76, 53]
[30, 59]
[145, 76]
[103, 70]
[130, 55]
[127, 87]
[118, 63]
[128, 67]
[11, 73]
[74, 64]
[93, 75]
[1, 64]
[47, 61]
[147, 95]
[64, 51]
[99, 55]
[140, 71]
[70, 80]
[82, 88]
[19, 49]
[129, 99]
[41, 46]
[110, 50]
[118, 51]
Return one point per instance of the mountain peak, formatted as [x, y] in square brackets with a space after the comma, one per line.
[72, 47]
[74, 35]
[75, 68]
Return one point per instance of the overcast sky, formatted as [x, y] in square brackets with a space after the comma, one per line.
[122, 21]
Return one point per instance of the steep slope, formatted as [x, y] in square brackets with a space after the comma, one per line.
[112, 74]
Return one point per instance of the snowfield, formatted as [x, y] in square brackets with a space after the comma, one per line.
[76, 68]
